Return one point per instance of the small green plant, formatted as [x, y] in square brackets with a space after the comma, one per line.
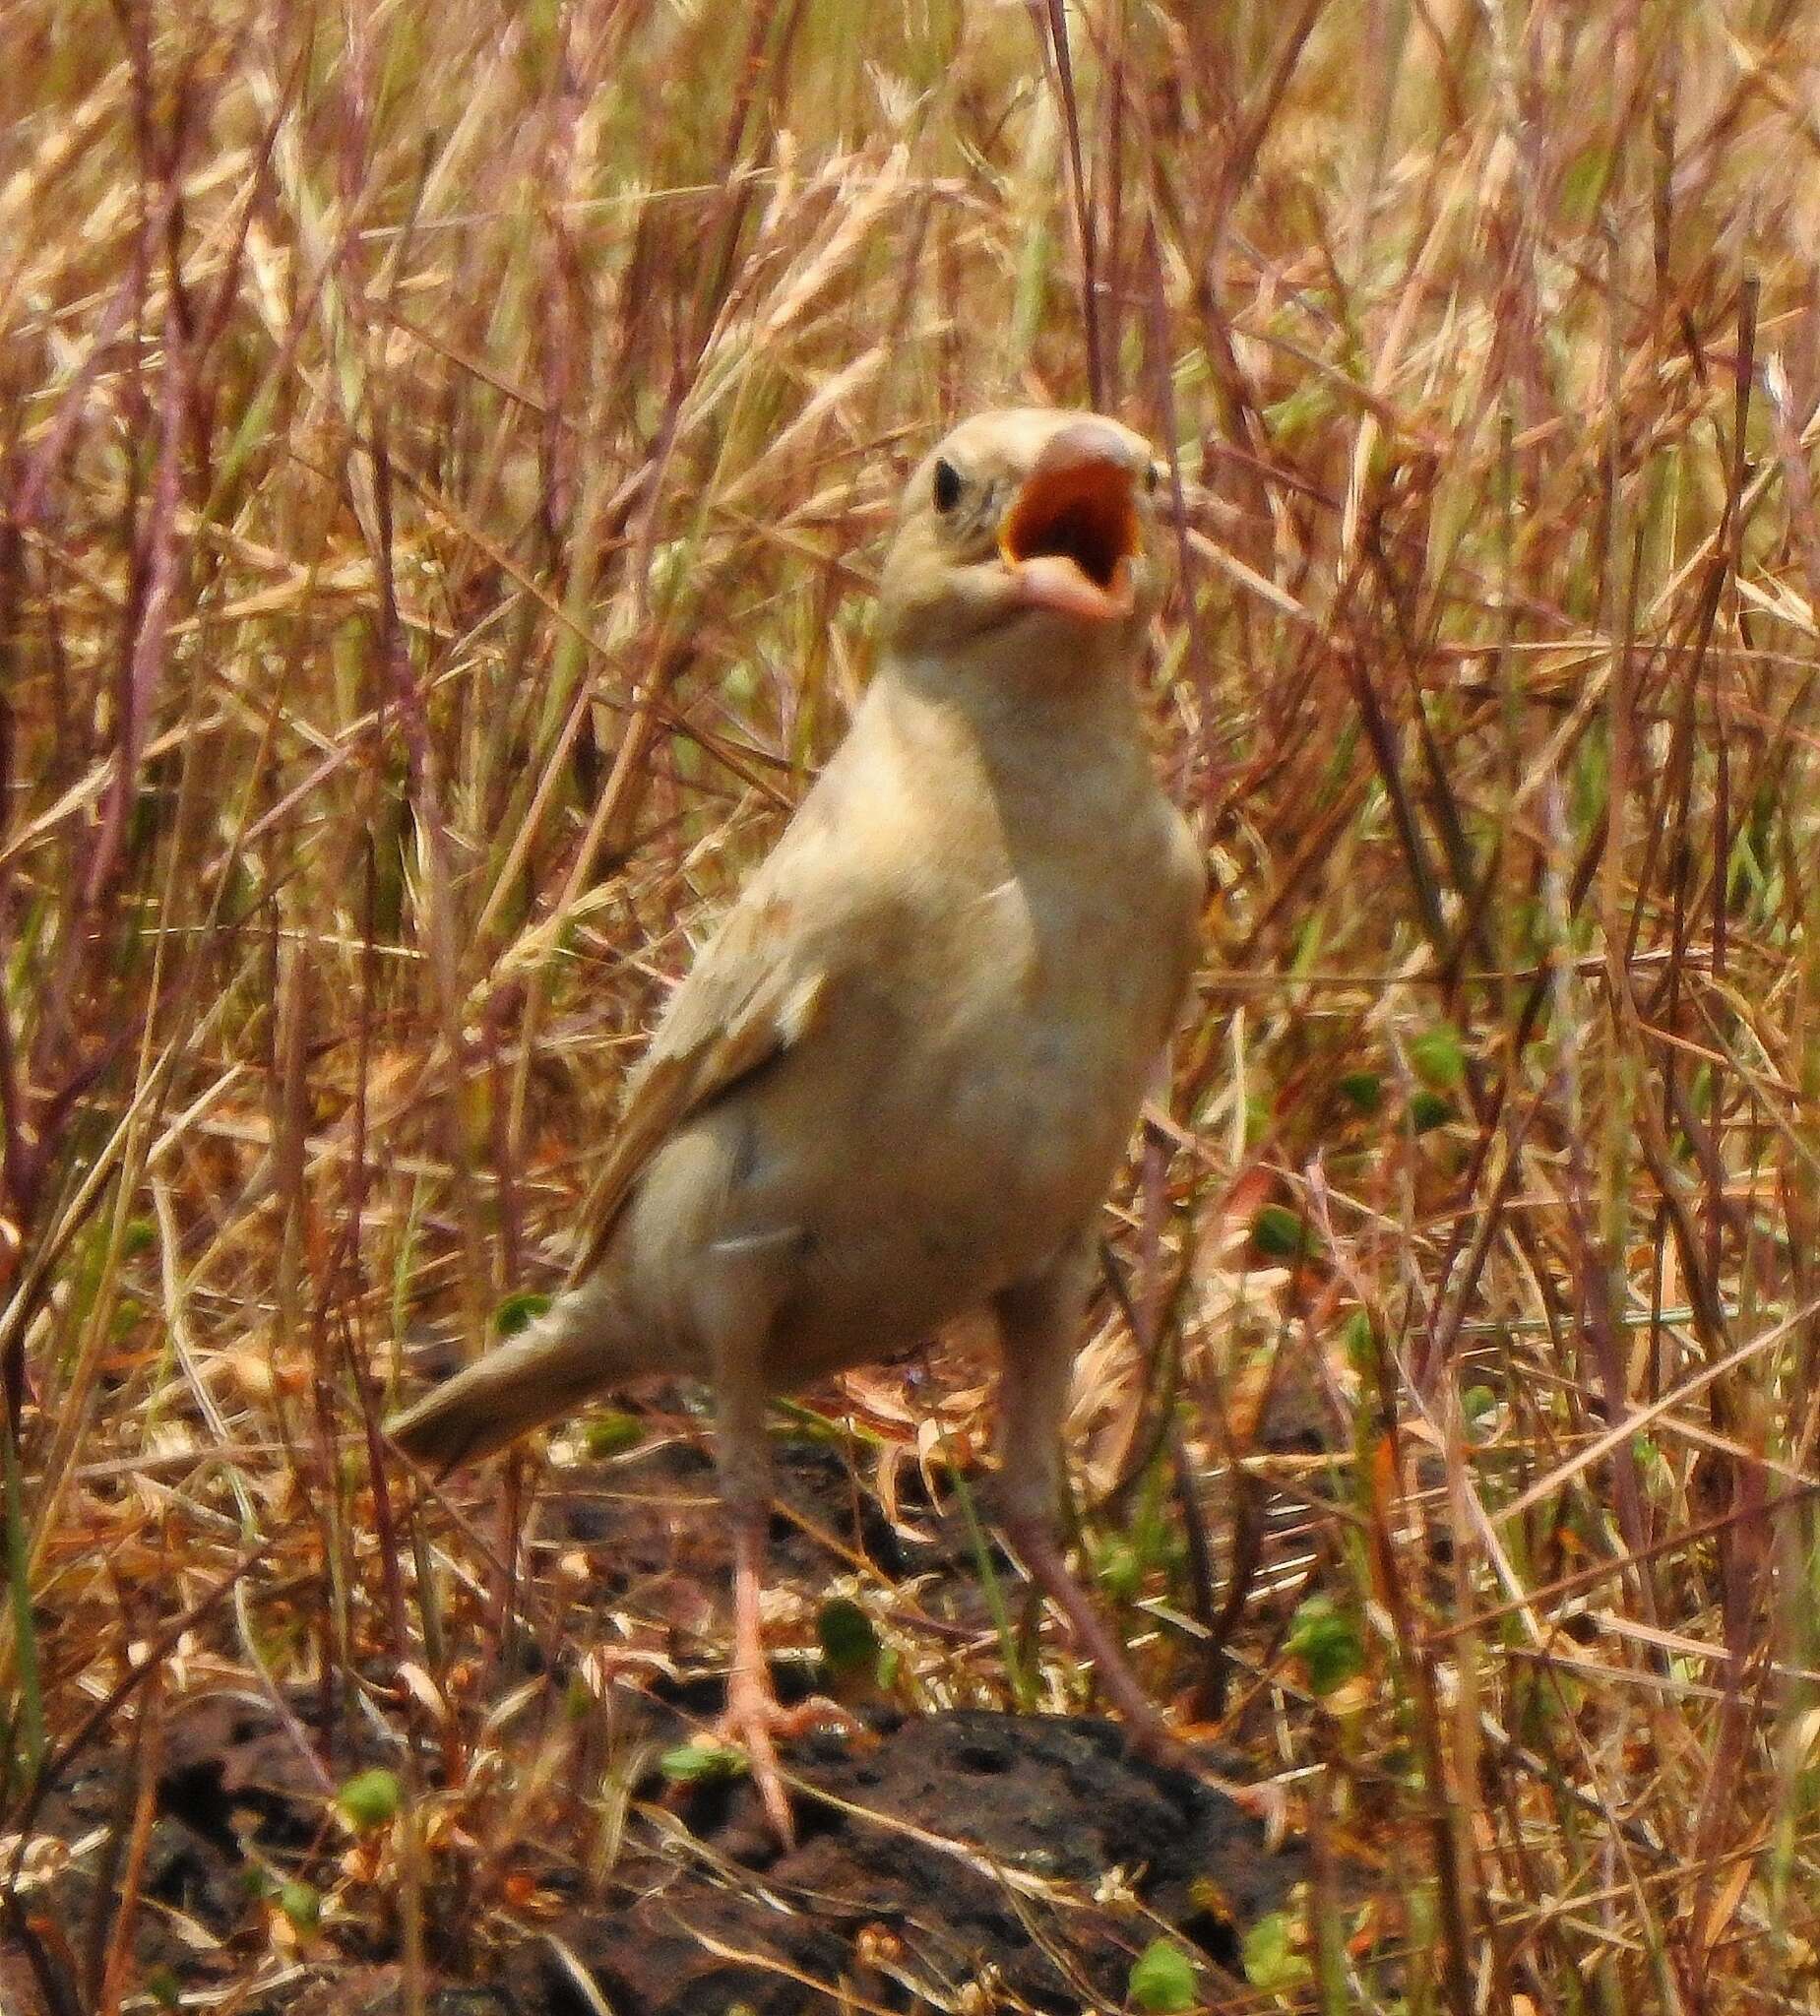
[518, 1311]
[702, 1762]
[850, 1643]
[1280, 1233]
[1162, 1980]
[611, 1431]
[1438, 1057]
[302, 1904]
[371, 1799]
[1363, 1091]
[1428, 1110]
[1327, 1642]
[1271, 1954]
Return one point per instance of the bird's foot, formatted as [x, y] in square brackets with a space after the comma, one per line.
[757, 1720]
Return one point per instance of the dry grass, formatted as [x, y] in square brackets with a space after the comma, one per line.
[444, 453]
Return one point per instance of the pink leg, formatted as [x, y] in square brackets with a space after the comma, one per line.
[1151, 1735]
[743, 1453]
[1035, 1543]
[1037, 1321]
[754, 1717]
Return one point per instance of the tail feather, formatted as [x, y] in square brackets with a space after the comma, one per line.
[570, 1352]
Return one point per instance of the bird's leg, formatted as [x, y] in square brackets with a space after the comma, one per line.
[1037, 1321]
[754, 1717]
[737, 1297]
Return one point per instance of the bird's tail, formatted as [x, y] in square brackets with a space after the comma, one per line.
[581, 1343]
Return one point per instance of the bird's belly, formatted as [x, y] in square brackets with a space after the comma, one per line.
[952, 1181]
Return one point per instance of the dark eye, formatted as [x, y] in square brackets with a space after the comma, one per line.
[947, 490]
[1152, 478]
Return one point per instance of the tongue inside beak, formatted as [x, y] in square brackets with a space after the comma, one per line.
[1070, 537]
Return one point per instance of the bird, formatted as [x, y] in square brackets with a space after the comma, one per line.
[896, 1083]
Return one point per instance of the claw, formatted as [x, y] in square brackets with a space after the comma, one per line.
[757, 1720]
[753, 1719]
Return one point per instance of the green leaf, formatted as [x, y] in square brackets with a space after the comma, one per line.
[849, 1644]
[1428, 1110]
[1300, 412]
[1120, 1569]
[518, 1311]
[1361, 1343]
[1162, 1978]
[1270, 1956]
[1364, 1090]
[611, 1431]
[1280, 1233]
[301, 1903]
[1438, 1058]
[1327, 1644]
[702, 1762]
[371, 1798]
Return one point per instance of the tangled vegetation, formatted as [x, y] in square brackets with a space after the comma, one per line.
[443, 458]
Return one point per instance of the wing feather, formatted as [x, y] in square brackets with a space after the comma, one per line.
[755, 994]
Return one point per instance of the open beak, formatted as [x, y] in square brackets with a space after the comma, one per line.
[1071, 534]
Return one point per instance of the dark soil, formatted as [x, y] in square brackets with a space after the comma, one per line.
[1029, 1859]
[966, 1848]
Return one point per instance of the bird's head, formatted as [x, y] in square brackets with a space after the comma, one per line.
[1025, 534]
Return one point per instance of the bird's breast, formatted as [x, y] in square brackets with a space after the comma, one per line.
[964, 1100]
[1015, 1066]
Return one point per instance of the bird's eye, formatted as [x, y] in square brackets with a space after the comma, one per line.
[1152, 478]
[947, 488]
